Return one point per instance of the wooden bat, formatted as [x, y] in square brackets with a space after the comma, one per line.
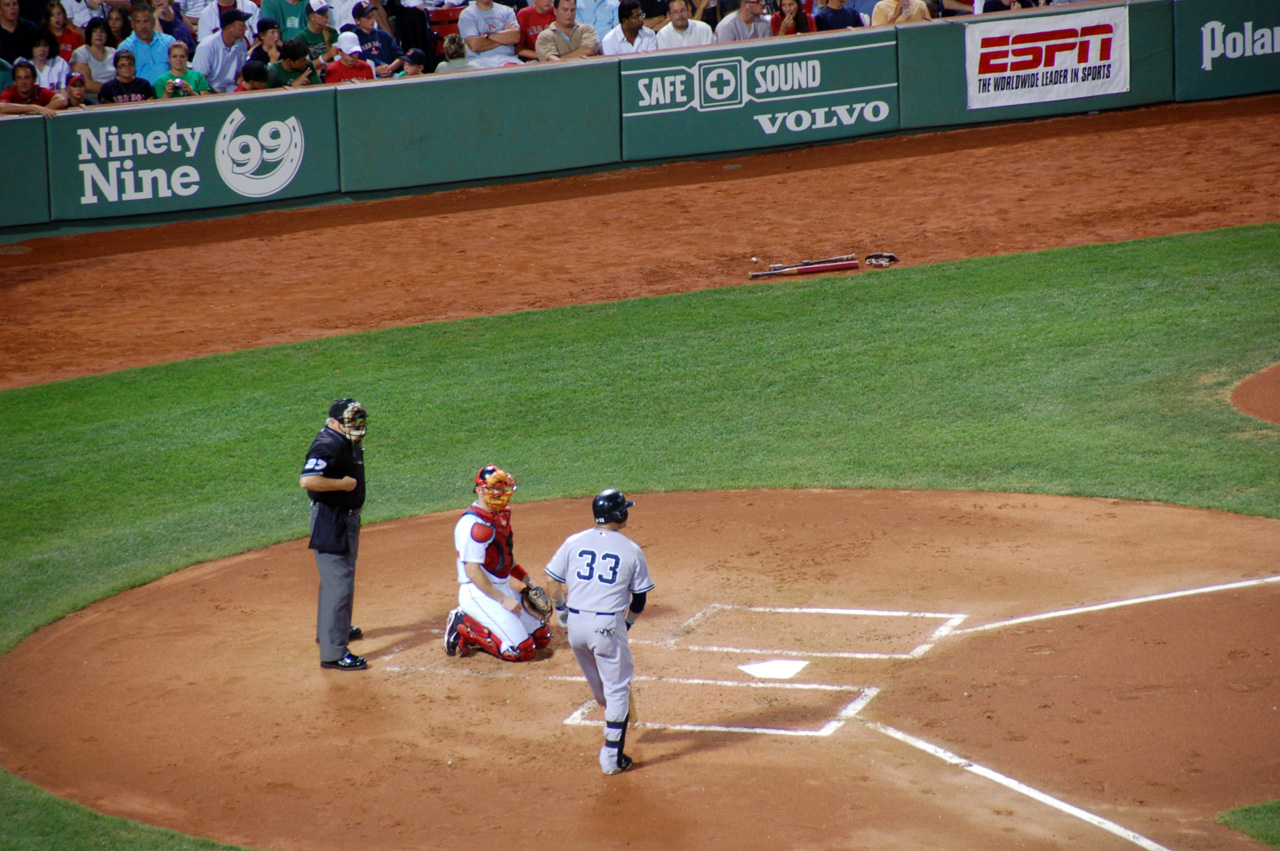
[808, 270]
[778, 267]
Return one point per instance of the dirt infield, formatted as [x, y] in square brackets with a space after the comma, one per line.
[196, 703]
[78, 305]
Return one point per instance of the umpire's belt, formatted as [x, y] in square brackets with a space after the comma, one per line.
[597, 614]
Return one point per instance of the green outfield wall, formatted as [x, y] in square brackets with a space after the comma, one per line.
[1226, 49]
[176, 158]
[479, 125]
[24, 190]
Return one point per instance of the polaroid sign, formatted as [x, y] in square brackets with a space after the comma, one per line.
[758, 95]
[1216, 42]
[1042, 59]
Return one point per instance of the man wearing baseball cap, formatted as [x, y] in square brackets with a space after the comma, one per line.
[211, 19]
[223, 53]
[348, 65]
[320, 38]
[377, 47]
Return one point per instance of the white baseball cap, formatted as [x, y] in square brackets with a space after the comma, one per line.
[349, 43]
[317, 7]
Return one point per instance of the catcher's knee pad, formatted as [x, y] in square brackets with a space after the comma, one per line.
[541, 636]
[522, 652]
[475, 636]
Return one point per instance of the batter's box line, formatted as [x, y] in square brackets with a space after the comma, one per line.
[850, 711]
[950, 622]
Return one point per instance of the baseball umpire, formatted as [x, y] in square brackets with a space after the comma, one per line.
[608, 583]
[333, 477]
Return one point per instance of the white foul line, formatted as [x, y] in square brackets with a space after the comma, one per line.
[1021, 788]
[1248, 583]
[951, 622]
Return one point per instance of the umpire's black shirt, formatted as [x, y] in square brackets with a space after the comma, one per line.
[333, 456]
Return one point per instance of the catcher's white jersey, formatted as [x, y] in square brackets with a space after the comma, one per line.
[602, 569]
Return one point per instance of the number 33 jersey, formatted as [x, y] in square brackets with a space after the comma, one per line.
[602, 569]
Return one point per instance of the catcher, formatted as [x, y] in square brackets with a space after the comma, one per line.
[500, 609]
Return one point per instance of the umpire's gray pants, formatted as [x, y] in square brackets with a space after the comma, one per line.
[337, 592]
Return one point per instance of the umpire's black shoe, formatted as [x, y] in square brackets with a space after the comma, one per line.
[350, 662]
[356, 634]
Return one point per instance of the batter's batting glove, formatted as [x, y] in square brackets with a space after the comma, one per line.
[562, 611]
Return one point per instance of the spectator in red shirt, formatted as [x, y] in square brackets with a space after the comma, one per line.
[24, 97]
[64, 32]
[533, 20]
[348, 65]
[791, 18]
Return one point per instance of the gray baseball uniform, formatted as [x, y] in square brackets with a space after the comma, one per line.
[602, 568]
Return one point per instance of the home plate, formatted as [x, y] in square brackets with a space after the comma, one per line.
[779, 669]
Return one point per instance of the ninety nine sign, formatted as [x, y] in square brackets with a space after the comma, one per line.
[1050, 58]
[171, 157]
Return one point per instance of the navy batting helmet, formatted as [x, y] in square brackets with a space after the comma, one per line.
[610, 506]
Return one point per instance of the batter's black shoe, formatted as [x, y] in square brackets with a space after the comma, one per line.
[350, 662]
[451, 635]
[356, 634]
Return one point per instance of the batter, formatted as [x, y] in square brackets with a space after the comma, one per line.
[608, 583]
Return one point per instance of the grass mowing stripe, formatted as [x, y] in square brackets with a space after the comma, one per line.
[1101, 370]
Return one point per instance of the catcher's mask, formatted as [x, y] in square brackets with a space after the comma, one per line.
[353, 416]
[610, 506]
[495, 486]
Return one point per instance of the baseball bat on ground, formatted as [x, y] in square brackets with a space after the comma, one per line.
[778, 267]
[809, 270]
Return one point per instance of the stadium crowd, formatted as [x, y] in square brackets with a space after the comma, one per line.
[68, 54]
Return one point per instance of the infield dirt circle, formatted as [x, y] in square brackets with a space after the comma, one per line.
[196, 703]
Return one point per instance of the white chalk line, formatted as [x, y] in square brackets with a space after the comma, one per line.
[1171, 595]
[850, 710]
[1019, 787]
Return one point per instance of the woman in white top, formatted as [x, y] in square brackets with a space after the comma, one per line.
[95, 59]
[51, 69]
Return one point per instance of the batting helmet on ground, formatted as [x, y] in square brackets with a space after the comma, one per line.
[610, 506]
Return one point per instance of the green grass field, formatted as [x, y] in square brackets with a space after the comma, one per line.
[1099, 371]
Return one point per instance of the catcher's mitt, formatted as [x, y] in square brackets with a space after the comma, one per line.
[536, 602]
[881, 259]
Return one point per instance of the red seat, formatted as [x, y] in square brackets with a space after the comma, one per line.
[444, 21]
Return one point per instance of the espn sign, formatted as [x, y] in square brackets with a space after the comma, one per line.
[1050, 58]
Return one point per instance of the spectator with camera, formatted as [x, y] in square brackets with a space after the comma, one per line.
[180, 81]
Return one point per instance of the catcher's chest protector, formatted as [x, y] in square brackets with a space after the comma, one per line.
[498, 555]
